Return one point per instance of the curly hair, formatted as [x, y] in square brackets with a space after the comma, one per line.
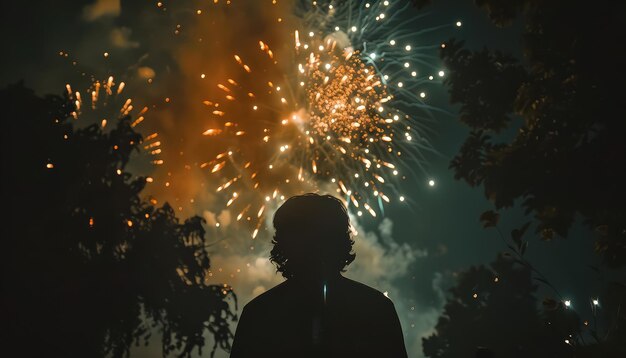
[312, 232]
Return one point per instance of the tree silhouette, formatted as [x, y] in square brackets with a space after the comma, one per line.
[493, 310]
[563, 152]
[545, 132]
[89, 266]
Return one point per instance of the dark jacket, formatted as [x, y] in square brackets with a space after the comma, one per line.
[300, 319]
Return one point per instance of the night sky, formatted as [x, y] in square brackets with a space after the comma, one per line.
[412, 251]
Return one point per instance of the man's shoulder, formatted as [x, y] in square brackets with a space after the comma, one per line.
[268, 297]
[285, 293]
[363, 291]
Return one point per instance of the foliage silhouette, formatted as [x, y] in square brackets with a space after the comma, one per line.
[545, 132]
[493, 310]
[566, 152]
[89, 266]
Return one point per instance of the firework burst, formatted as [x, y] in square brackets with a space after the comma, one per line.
[342, 106]
[330, 96]
[105, 102]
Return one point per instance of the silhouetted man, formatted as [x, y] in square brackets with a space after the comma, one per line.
[317, 312]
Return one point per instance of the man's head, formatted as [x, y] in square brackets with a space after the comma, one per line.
[312, 236]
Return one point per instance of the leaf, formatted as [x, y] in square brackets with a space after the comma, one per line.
[550, 304]
[523, 263]
[489, 218]
[547, 234]
[542, 280]
[517, 234]
[516, 239]
[523, 248]
[602, 229]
